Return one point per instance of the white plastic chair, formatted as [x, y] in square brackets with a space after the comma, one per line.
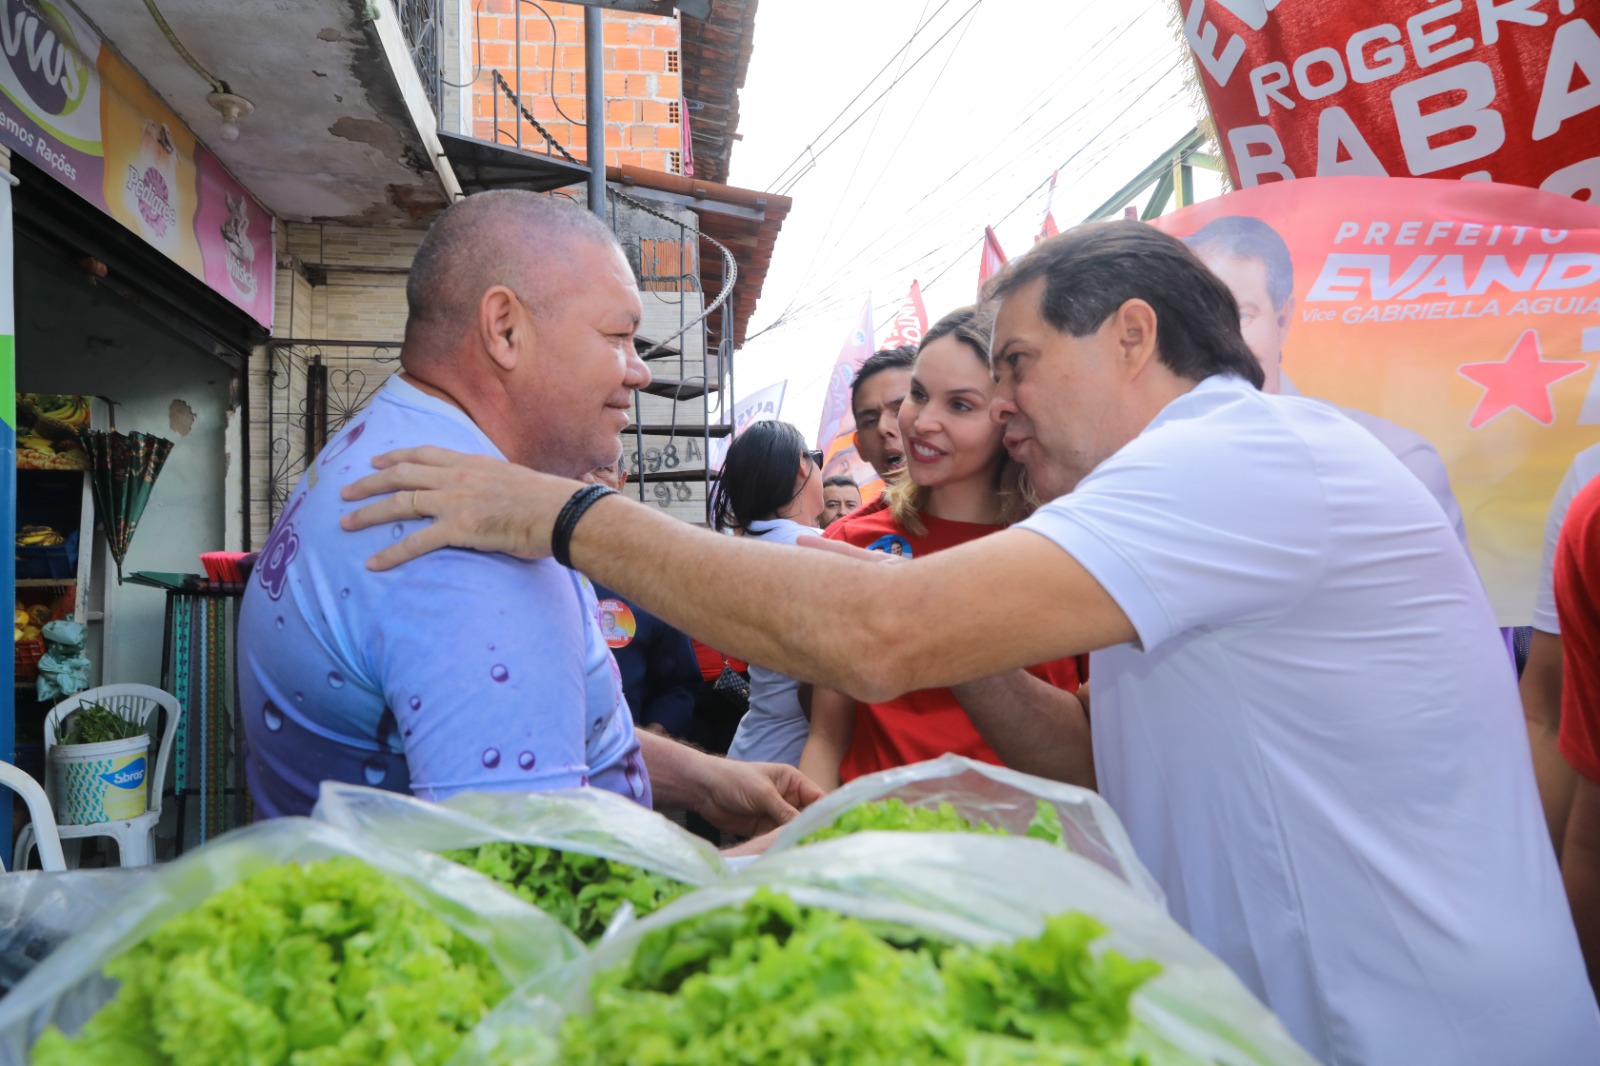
[22, 783]
[135, 837]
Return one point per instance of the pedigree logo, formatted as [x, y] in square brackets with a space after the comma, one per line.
[150, 191]
[44, 55]
[152, 180]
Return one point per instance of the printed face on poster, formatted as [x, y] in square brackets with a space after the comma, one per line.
[72, 108]
[1457, 321]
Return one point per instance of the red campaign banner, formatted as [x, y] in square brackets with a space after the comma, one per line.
[909, 323]
[1047, 228]
[1491, 90]
[1458, 322]
[73, 107]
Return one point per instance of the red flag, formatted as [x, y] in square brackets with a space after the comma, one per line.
[909, 323]
[994, 260]
[1047, 228]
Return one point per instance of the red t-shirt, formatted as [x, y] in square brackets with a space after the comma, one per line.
[712, 661]
[927, 723]
[1577, 581]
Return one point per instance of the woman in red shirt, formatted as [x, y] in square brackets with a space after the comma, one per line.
[961, 485]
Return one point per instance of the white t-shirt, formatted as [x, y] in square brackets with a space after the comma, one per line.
[1316, 743]
[1585, 467]
[1414, 453]
[776, 727]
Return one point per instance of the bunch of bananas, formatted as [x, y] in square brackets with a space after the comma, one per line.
[50, 422]
[27, 621]
[36, 536]
[52, 416]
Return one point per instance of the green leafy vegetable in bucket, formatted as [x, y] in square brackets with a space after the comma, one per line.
[326, 964]
[97, 724]
[896, 815]
[582, 892]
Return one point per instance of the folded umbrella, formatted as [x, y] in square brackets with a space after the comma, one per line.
[123, 469]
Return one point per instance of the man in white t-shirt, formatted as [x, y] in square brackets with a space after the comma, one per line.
[1252, 259]
[1302, 712]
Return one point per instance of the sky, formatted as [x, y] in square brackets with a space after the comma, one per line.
[897, 156]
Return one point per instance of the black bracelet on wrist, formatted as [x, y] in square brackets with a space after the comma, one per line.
[567, 520]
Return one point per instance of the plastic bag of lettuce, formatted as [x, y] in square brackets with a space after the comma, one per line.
[586, 857]
[889, 948]
[955, 794]
[287, 941]
[40, 911]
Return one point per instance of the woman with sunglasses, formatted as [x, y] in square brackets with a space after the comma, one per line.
[960, 485]
[771, 488]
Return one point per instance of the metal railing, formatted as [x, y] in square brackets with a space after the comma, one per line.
[314, 388]
[669, 449]
[422, 24]
[317, 384]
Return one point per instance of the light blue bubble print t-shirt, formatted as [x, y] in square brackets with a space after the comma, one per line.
[460, 671]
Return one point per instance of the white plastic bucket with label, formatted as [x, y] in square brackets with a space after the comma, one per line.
[100, 782]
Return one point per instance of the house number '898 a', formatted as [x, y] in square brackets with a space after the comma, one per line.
[665, 458]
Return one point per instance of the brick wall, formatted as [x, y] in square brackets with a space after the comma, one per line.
[643, 88]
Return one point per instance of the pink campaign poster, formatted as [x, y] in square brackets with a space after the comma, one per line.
[1455, 320]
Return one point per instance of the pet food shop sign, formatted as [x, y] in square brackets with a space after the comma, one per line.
[75, 110]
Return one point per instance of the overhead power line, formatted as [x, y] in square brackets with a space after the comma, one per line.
[922, 24]
[850, 280]
[961, 195]
[784, 183]
[811, 264]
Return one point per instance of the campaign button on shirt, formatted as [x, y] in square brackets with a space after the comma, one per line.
[617, 623]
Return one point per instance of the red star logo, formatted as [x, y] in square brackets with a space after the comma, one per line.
[1522, 380]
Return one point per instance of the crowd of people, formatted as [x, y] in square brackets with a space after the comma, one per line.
[1302, 709]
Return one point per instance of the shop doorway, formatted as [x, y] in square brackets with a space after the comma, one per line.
[102, 317]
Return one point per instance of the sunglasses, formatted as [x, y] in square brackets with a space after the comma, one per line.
[815, 457]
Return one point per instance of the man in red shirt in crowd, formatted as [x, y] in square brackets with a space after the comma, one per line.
[1577, 581]
[876, 393]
